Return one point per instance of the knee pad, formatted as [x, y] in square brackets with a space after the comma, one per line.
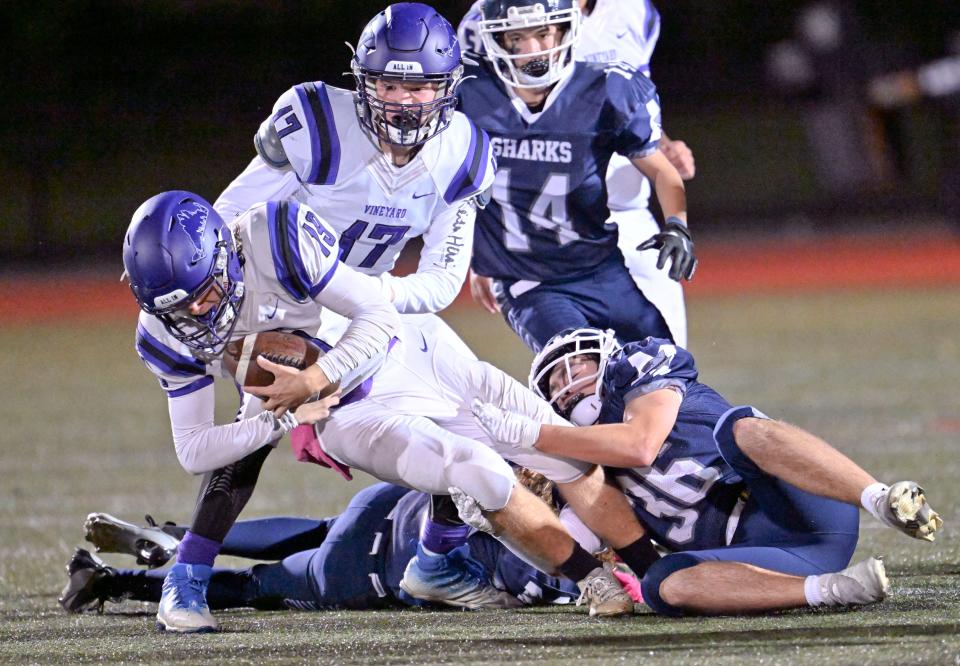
[658, 573]
[483, 475]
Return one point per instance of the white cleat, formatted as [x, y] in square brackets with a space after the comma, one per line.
[150, 545]
[863, 583]
[904, 507]
[605, 594]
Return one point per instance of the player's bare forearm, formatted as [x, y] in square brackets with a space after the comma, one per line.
[648, 420]
[615, 444]
[667, 183]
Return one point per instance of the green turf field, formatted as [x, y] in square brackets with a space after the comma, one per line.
[85, 429]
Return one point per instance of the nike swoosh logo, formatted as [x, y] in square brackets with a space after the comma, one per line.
[424, 347]
[420, 196]
[622, 34]
[274, 313]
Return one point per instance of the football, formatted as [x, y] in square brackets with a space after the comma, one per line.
[239, 358]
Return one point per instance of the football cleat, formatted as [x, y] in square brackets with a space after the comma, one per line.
[863, 583]
[605, 594]
[454, 579]
[904, 506]
[150, 545]
[183, 603]
[86, 588]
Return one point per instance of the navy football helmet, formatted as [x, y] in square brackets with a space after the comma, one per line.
[540, 68]
[560, 350]
[176, 251]
[407, 41]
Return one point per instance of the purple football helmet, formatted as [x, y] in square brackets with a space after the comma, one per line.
[407, 41]
[176, 250]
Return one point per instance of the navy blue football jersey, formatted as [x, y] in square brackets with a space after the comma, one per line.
[686, 496]
[547, 218]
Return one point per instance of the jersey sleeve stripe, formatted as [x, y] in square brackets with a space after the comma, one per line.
[324, 142]
[167, 360]
[471, 173]
[191, 387]
[317, 288]
[285, 248]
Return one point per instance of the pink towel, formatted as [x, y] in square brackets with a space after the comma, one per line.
[630, 584]
[306, 448]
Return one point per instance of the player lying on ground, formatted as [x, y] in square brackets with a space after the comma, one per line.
[758, 514]
[404, 416]
[354, 560]
[616, 31]
[544, 238]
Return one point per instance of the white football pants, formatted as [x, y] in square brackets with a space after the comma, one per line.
[415, 427]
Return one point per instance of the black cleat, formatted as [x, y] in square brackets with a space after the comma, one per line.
[86, 588]
[150, 545]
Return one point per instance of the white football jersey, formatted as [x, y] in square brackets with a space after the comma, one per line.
[616, 30]
[375, 207]
[290, 256]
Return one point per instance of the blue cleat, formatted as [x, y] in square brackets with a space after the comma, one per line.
[454, 579]
[183, 604]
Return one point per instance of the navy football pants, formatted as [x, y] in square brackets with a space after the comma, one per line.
[782, 528]
[606, 298]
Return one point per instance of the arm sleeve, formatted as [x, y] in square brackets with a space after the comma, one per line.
[373, 320]
[258, 182]
[203, 446]
[444, 261]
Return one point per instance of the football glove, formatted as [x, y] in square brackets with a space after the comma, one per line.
[675, 244]
[505, 427]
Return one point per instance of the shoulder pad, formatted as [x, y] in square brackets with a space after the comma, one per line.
[303, 120]
[475, 165]
[268, 145]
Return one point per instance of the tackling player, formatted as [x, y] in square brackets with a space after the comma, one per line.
[554, 125]
[616, 31]
[758, 515]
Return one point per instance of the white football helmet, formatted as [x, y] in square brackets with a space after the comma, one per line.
[582, 409]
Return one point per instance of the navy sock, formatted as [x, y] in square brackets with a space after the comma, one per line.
[579, 564]
[639, 555]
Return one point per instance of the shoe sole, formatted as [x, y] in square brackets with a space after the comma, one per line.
[909, 506]
[504, 602]
[112, 535]
[164, 629]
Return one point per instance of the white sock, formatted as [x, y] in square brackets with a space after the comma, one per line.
[870, 499]
[811, 590]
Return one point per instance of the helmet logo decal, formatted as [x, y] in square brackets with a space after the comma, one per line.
[193, 222]
[166, 300]
[403, 67]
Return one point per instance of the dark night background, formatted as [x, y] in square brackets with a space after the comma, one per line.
[106, 103]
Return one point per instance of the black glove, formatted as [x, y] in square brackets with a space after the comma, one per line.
[674, 243]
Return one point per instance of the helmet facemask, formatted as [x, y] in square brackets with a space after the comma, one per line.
[207, 334]
[563, 353]
[541, 68]
[405, 124]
